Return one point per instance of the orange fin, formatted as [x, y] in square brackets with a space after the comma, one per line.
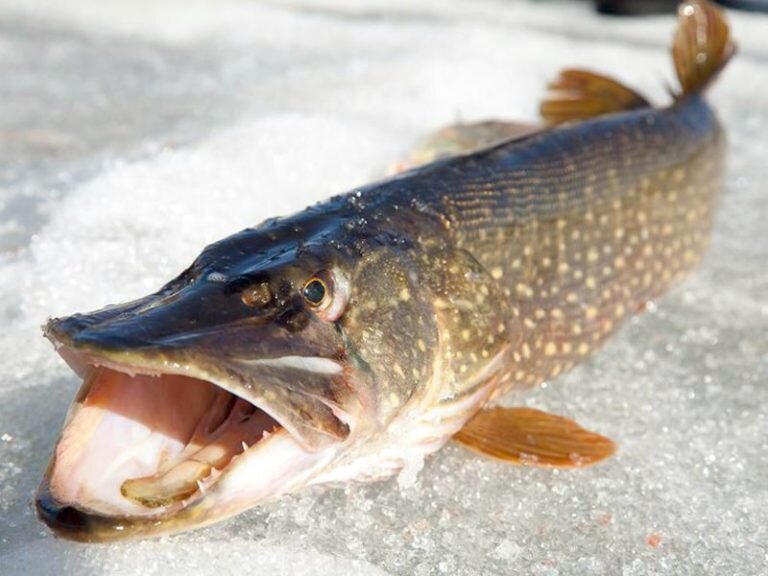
[534, 438]
[579, 94]
[702, 45]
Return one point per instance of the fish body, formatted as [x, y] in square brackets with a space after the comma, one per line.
[354, 338]
[586, 223]
[564, 234]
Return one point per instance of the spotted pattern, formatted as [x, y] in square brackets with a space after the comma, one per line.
[390, 327]
[581, 226]
[472, 316]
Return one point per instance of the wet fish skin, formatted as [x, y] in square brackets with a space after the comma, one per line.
[553, 239]
[582, 225]
[455, 282]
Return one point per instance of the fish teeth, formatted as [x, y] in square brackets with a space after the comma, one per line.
[244, 445]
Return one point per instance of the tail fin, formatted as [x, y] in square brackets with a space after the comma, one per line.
[702, 45]
[701, 49]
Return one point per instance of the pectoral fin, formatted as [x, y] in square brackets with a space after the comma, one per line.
[534, 438]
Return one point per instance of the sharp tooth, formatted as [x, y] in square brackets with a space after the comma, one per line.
[201, 461]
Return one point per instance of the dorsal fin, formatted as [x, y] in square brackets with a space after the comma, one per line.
[702, 45]
[462, 138]
[580, 94]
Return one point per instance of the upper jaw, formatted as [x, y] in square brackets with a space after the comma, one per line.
[295, 381]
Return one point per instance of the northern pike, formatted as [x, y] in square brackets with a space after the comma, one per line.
[363, 333]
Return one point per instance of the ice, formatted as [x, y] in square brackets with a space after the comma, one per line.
[130, 136]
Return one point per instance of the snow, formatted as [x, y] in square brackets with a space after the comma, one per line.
[130, 137]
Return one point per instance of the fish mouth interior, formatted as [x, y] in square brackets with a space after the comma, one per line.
[144, 445]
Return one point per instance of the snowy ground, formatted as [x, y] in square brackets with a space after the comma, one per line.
[131, 136]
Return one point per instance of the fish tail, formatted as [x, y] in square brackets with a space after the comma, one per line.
[702, 45]
[701, 48]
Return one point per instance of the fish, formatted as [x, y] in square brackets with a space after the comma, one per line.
[352, 339]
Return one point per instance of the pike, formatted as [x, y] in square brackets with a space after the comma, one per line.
[359, 335]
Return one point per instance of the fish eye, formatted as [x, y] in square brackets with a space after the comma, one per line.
[316, 292]
[327, 294]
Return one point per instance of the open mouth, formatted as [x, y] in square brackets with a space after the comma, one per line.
[163, 438]
[142, 444]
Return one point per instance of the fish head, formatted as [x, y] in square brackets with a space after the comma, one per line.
[264, 364]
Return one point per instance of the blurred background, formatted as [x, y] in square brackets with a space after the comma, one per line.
[133, 133]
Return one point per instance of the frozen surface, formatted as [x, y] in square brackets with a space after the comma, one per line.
[130, 137]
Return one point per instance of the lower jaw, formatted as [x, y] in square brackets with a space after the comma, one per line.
[241, 487]
[272, 465]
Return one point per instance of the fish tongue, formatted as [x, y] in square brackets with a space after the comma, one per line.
[175, 485]
[181, 480]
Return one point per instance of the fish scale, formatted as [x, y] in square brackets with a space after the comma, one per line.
[592, 237]
[580, 226]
